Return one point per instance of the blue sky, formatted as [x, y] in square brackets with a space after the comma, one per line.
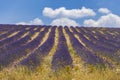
[29, 11]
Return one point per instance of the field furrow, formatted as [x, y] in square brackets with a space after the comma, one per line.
[57, 47]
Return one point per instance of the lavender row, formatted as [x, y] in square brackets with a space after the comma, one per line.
[61, 57]
[106, 34]
[103, 40]
[99, 42]
[10, 32]
[87, 56]
[90, 43]
[34, 60]
[10, 56]
[19, 42]
[12, 38]
[104, 30]
[97, 48]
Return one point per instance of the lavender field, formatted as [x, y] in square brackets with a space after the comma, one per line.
[58, 48]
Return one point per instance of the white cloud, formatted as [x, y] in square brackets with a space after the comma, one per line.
[109, 20]
[36, 21]
[104, 10]
[21, 23]
[63, 12]
[64, 22]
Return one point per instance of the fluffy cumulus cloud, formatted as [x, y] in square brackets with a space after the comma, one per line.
[67, 17]
[109, 20]
[104, 10]
[64, 22]
[36, 21]
[63, 12]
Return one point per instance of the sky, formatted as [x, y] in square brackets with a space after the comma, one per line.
[89, 13]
